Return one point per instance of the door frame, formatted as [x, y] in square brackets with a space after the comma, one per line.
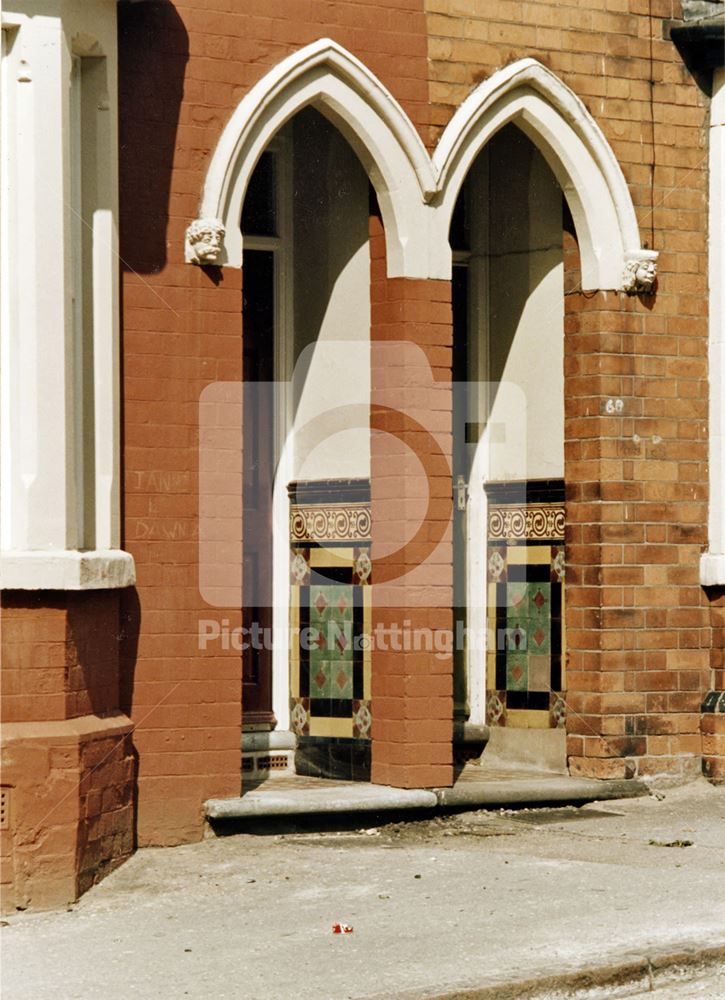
[282, 246]
[475, 260]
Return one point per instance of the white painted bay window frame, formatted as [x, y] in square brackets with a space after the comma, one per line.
[59, 332]
[712, 563]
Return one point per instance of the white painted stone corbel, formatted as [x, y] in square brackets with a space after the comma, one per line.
[640, 272]
[204, 241]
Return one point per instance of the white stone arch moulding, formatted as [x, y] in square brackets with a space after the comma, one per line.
[530, 96]
[325, 76]
[417, 193]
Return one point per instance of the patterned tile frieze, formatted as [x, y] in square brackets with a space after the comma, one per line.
[336, 511]
[330, 523]
[541, 521]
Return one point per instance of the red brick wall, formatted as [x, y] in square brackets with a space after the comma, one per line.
[182, 332]
[638, 626]
[637, 620]
[106, 806]
[639, 629]
[411, 331]
[34, 631]
[644, 641]
[67, 758]
[60, 655]
[185, 701]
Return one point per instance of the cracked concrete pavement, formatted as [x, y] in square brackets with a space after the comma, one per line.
[465, 902]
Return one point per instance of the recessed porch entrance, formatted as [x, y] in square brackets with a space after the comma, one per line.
[508, 418]
[307, 535]
[308, 520]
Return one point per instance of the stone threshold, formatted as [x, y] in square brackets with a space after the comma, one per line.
[302, 796]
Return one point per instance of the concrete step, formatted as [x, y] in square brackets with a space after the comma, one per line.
[310, 796]
[533, 790]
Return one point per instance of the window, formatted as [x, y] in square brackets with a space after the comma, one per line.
[59, 336]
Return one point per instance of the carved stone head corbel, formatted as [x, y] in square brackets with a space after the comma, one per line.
[640, 272]
[203, 244]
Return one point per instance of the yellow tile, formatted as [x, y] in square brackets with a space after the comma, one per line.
[294, 633]
[521, 718]
[517, 554]
[331, 727]
[367, 599]
[539, 555]
[332, 557]
[294, 644]
[367, 651]
[529, 555]
[563, 639]
[491, 670]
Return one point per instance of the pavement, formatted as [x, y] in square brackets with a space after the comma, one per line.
[616, 898]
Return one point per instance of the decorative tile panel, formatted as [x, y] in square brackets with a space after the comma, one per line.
[330, 577]
[526, 571]
[333, 510]
[532, 522]
[333, 522]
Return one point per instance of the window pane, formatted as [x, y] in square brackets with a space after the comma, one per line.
[259, 214]
[459, 223]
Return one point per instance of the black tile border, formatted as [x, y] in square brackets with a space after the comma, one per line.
[323, 491]
[526, 492]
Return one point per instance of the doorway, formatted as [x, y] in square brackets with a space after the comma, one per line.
[508, 309]
[306, 280]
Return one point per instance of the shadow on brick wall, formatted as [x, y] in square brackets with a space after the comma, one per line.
[92, 658]
[153, 52]
[129, 628]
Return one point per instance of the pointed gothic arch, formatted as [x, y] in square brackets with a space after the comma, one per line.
[327, 77]
[417, 194]
[530, 96]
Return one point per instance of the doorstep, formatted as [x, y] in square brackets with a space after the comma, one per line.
[475, 788]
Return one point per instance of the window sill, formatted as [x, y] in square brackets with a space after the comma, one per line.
[104, 569]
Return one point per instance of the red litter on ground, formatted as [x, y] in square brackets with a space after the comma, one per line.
[341, 929]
